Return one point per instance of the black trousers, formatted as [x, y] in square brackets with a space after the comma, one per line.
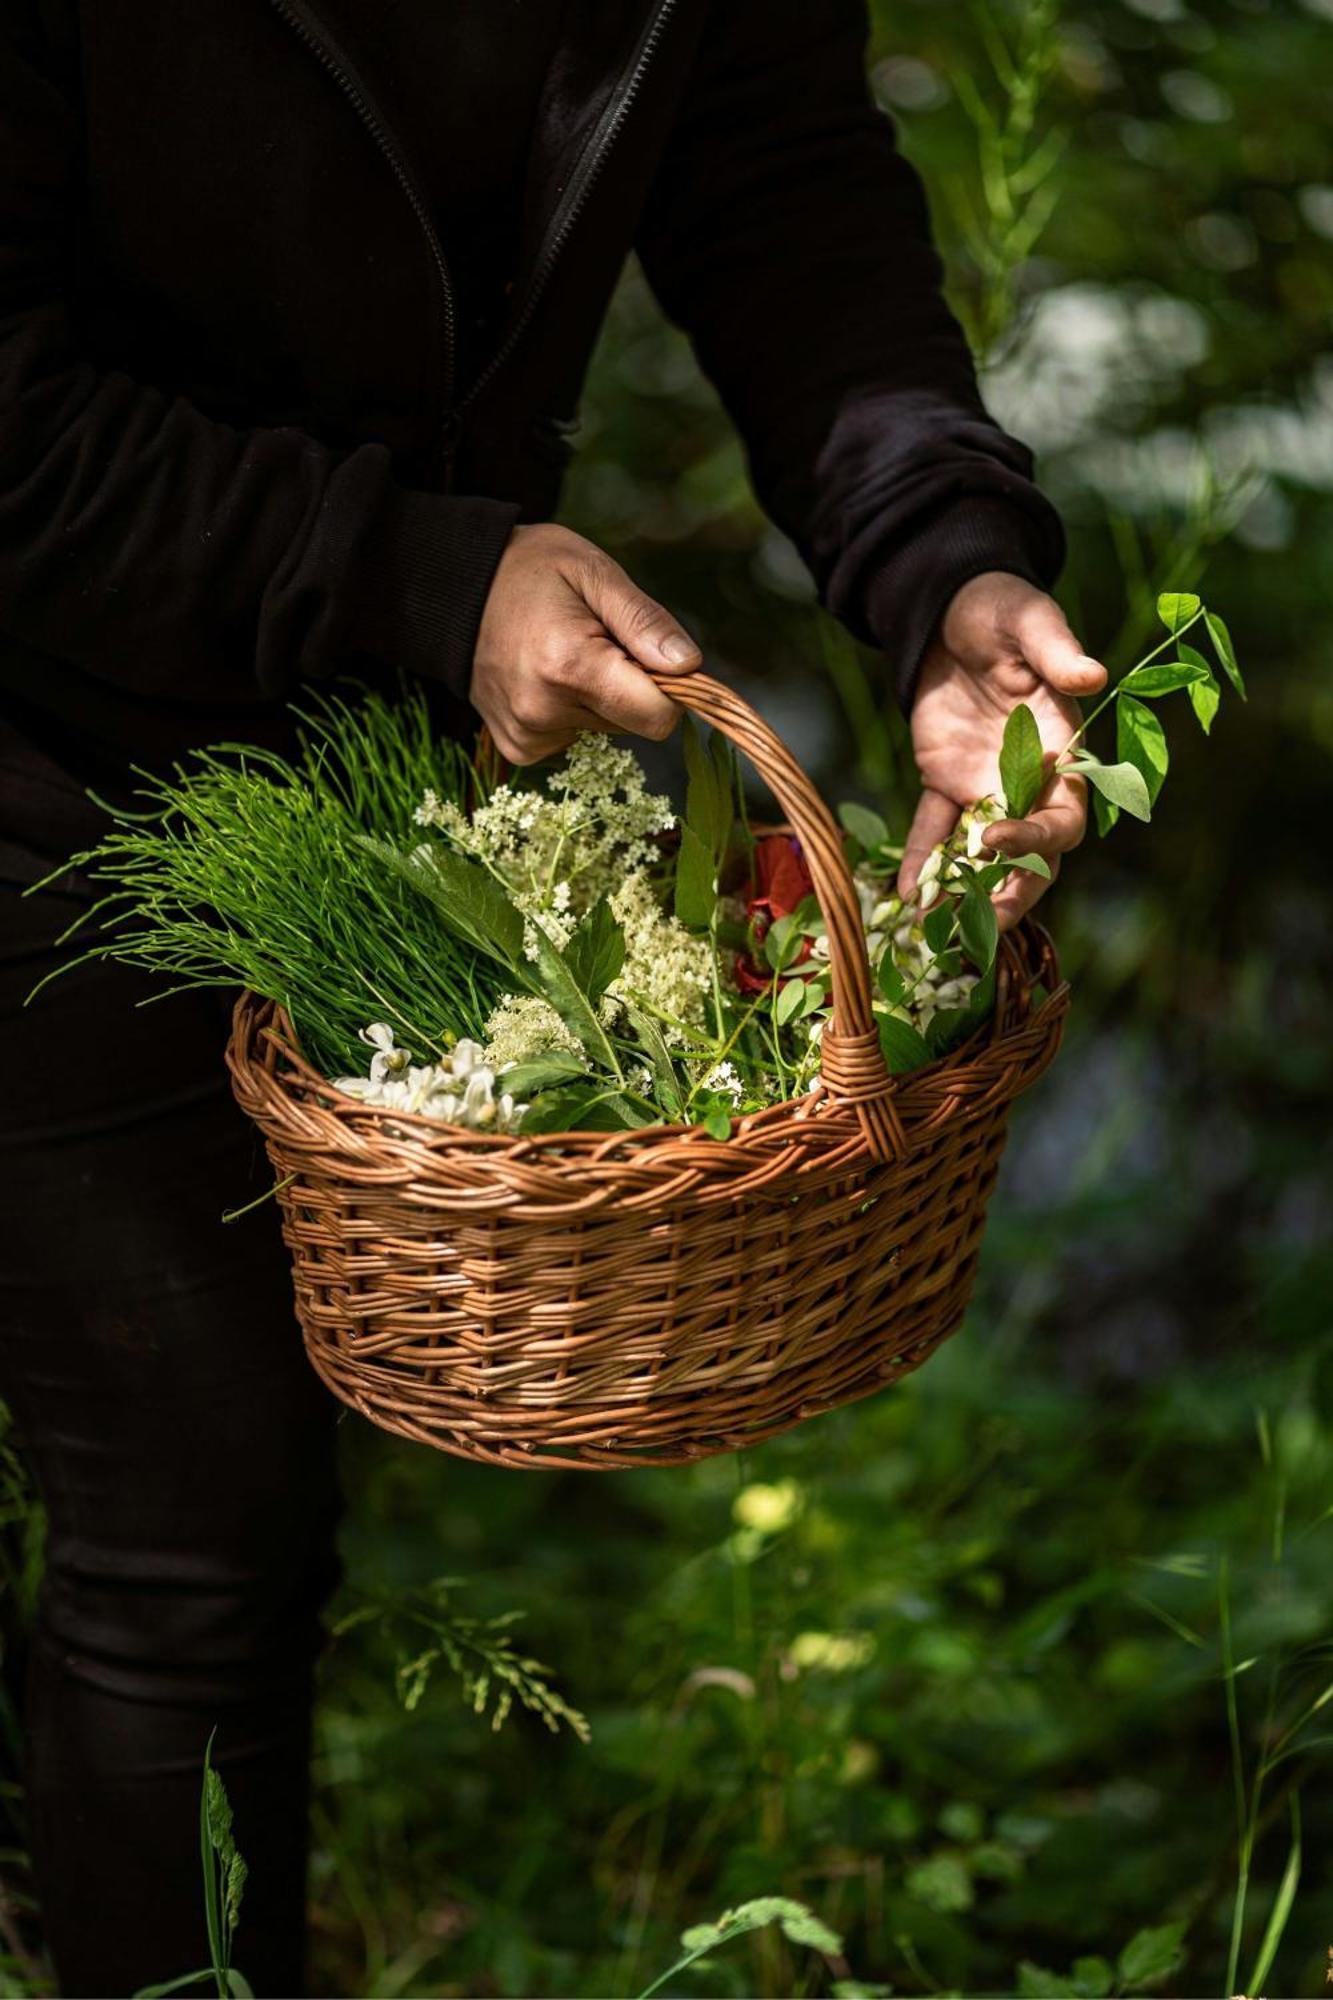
[184, 1452]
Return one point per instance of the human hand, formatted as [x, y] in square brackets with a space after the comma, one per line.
[564, 638]
[1000, 642]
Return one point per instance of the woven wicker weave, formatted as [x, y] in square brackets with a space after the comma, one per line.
[656, 1296]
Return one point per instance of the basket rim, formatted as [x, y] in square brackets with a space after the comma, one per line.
[1029, 953]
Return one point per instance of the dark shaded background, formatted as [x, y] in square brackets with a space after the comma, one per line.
[949, 1667]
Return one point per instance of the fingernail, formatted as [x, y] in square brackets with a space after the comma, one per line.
[677, 649]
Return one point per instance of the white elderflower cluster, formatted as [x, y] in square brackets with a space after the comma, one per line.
[458, 1090]
[723, 1078]
[666, 968]
[559, 849]
[524, 1027]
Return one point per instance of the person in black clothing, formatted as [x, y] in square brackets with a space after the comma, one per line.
[297, 298]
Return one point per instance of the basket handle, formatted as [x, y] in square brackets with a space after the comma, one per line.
[851, 1060]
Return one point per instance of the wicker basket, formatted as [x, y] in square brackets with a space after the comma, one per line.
[651, 1297]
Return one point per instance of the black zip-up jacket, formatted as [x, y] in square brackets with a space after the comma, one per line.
[236, 448]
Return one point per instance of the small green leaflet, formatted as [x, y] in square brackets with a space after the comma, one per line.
[782, 943]
[1176, 608]
[1150, 683]
[584, 1108]
[595, 953]
[891, 982]
[863, 825]
[1122, 784]
[790, 1001]
[1205, 694]
[1150, 1955]
[1022, 771]
[717, 1122]
[904, 1049]
[937, 924]
[1141, 741]
[1035, 864]
[653, 1041]
[977, 926]
[696, 880]
[1226, 652]
[709, 805]
[1104, 813]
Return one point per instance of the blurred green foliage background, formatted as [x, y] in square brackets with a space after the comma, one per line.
[951, 1666]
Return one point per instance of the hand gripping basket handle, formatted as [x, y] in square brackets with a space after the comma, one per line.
[851, 1060]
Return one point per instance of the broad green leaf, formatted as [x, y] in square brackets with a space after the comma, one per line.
[862, 824]
[653, 1043]
[584, 1108]
[472, 903]
[1151, 683]
[890, 981]
[1022, 771]
[1140, 740]
[1150, 1955]
[904, 1049]
[1093, 1976]
[717, 1122]
[1226, 652]
[1205, 695]
[1122, 784]
[981, 999]
[938, 924]
[1104, 814]
[1176, 607]
[978, 927]
[790, 1001]
[709, 806]
[946, 1027]
[782, 942]
[1035, 864]
[524, 1079]
[579, 1014]
[696, 880]
[595, 953]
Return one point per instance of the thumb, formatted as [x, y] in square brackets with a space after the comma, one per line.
[636, 621]
[1040, 630]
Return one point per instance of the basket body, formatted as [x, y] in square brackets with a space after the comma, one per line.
[608, 1300]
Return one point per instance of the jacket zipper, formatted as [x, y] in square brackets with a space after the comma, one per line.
[575, 198]
[571, 205]
[309, 33]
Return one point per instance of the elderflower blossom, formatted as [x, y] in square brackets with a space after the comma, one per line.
[458, 1090]
[524, 1027]
[723, 1079]
[667, 969]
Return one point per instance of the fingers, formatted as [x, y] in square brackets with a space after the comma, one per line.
[1053, 828]
[1016, 896]
[933, 821]
[1038, 629]
[613, 694]
[647, 632]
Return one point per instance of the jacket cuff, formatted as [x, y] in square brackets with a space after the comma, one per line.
[909, 594]
[425, 572]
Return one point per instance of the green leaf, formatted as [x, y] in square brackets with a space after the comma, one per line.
[709, 806]
[1204, 694]
[571, 1003]
[938, 924]
[863, 825]
[524, 1079]
[1176, 608]
[584, 1108]
[595, 953]
[949, 1025]
[1141, 741]
[889, 980]
[790, 1001]
[904, 1049]
[1034, 1982]
[1226, 652]
[1022, 770]
[696, 880]
[652, 1041]
[716, 1121]
[472, 903]
[1122, 784]
[1104, 813]
[978, 926]
[1093, 1976]
[1150, 1955]
[1151, 683]
[1035, 864]
[782, 942]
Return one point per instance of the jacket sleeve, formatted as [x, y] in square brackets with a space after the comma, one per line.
[789, 237]
[167, 553]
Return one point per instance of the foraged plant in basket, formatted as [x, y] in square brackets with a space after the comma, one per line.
[605, 1137]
